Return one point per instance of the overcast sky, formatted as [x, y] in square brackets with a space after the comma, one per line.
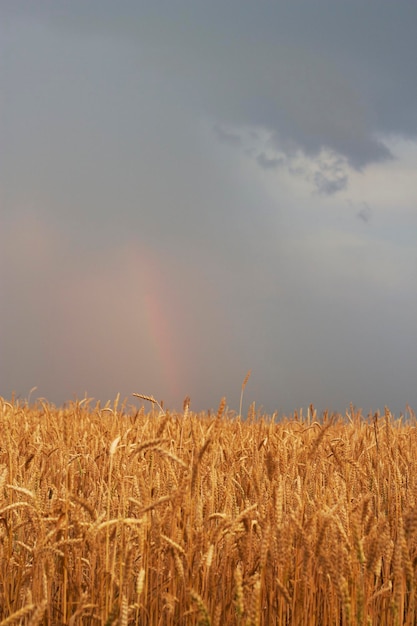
[190, 190]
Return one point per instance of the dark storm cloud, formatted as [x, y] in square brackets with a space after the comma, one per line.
[317, 75]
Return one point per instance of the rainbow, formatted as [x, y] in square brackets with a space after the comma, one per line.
[161, 333]
[153, 283]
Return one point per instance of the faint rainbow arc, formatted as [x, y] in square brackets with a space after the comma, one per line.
[158, 322]
[161, 336]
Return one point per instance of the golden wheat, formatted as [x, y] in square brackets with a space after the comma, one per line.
[115, 516]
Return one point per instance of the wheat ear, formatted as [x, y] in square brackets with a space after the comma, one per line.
[149, 399]
[245, 382]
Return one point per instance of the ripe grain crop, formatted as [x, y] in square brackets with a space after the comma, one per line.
[120, 516]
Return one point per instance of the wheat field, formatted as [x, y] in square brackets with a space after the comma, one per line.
[131, 517]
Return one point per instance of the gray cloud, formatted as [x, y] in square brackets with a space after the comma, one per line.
[364, 213]
[268, 163]
[331, 176]
[328, 185]
[227, 136]
[161, 226]
[320, 75]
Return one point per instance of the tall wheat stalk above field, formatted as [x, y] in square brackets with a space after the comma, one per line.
[149, 399]
[245, 382]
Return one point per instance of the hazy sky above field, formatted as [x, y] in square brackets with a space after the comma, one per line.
[190, 190]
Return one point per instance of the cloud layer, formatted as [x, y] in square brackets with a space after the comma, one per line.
[192, 191]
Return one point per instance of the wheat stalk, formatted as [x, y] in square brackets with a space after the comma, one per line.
[245, 382]
[150, 399]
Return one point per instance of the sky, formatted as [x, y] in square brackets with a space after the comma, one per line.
[192, 190]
